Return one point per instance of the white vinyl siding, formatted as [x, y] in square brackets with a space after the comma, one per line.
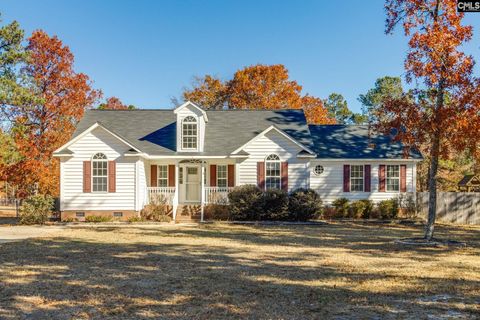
[274, 143]
[72, 195]
[329, 184]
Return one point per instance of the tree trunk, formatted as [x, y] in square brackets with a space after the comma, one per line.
[432, 188]
[434, 155]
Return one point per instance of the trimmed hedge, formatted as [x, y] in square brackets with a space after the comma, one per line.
[304, 204]
[246, 203]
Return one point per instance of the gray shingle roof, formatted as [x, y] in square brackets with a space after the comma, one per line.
[154, 132]
[353, 142]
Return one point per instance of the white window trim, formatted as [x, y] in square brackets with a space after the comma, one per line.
[218, 176]
[279, 161]
[197, 123]
[91, 171]
[158, 175]
[396, 178]
[356, 178]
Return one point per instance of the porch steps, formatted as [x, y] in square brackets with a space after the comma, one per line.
[188, 213]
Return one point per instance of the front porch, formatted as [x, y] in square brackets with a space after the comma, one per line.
[189, 185]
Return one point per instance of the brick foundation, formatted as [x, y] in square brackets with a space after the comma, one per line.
[72, 214]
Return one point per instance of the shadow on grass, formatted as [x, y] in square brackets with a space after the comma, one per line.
[183, 278]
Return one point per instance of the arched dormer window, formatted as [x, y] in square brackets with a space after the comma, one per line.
[189, 133]
[99, 173]
[272, 172]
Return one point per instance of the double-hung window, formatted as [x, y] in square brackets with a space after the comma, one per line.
[162, 176]
[221, 176]
[393, 178]
[357, 176]
[272, 172]
[189, 133]
[99, 173]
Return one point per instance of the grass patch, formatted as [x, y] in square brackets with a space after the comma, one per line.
[218, 271]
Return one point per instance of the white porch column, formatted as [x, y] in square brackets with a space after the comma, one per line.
[175, 197]
[203, 191]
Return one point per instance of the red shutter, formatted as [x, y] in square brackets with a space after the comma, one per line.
[367, 181]
[213, 175]
[112, 176]
[346, 178]
[381, 178]
[87, 176]
[153, 175]
[261, 175]
[171, 175]
[231, 175]
[403, 178]
[284, 173]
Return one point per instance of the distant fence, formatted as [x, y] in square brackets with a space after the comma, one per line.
[9, 207]
[454, 207]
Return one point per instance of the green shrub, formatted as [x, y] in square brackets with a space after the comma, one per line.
[388, 209]
[214, 211]
[407, 205]
[341, 206]
[361, 209]
[97, 219]
[246, 203]
[275, 205]
[135, 219]
[35, 209]
[304, 204]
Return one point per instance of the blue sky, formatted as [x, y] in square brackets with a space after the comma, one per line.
[145, 52]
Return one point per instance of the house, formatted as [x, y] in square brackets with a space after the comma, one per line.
[118, 161]
[470, 183]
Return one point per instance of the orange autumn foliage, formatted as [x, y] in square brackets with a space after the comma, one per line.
[40, 128]
[257, 87]
[443, 116]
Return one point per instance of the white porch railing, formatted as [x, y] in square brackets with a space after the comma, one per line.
[166, 194]
[217, 195]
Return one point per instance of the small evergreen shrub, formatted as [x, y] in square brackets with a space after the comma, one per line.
[215, 211]
[275, 204]
[304, 204]
[341, 206]
[246, 203]
[35, 209]
[388, 209]
[329, 213]
[135, 219]
[97, 219]
[361, 209]
[407, 205]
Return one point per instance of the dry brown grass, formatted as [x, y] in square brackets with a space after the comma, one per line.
[342, 271]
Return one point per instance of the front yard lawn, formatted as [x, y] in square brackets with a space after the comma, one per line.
[219, 271]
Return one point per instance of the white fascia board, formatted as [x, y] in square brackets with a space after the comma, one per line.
[185, 157]
[90, 129]
[186, 104]
[272, 127]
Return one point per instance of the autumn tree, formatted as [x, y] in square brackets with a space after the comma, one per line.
[444, 113]
[47, 122]
[256, 87]
[114, 103]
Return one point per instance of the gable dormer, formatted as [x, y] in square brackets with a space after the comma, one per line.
[191, 123]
